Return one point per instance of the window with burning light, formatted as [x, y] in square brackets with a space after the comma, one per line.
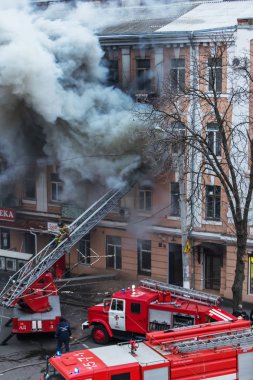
[177, 74]
[213, 202]
[144, 257]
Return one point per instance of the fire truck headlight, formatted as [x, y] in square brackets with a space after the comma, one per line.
[76, 370]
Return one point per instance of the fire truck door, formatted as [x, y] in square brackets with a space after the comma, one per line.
[117, 318]
[156, 373]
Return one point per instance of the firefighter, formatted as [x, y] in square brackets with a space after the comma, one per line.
[241, 313]
[63, 232]
[63, 334]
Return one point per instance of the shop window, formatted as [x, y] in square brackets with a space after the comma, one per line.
[214, 139]
[215, 74]
[10, 264]
[213, 202]
[144, 257]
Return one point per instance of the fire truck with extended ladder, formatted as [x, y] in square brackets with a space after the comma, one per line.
[212, 351]
[31, 291]
[153, 305]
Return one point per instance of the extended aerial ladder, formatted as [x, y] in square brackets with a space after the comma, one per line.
[22, 280]
[179, 292]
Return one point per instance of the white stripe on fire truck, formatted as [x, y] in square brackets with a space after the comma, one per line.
[220, 314]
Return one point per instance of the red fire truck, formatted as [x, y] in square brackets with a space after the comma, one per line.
[152, 306]
[213, 351]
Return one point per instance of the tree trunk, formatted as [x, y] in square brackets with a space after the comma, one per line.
[239, 270]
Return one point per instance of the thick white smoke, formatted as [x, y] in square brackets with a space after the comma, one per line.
[53, 102]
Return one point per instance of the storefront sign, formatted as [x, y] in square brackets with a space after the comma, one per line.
[7, 214]
[52, 227]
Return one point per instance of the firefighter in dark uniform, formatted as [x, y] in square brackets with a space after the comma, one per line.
[63, 334]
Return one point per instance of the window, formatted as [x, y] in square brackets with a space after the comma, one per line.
[5, 238]
[177, 74]
[30, 243]
[213, 200]
[113, 252]
[10, 264]
[175, 199]
[30, 185]
[143, 74]
[2, 263]
[145, 197]
[20, 264]
[144, 257]
[113, 74]
[84, 250]
[251, 273]
[178, 137]
[214, 138]
[117, 305]
[121, 376]
[215, 74]
[135, 308]
[56, 187]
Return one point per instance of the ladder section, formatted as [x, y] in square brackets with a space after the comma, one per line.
[235, 338]
[48, 256]
[180, 292]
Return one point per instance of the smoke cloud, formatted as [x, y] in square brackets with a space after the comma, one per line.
[53, 104]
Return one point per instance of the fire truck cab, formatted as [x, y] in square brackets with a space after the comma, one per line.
[152, 306]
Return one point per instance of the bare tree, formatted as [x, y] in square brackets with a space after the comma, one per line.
[206, 120]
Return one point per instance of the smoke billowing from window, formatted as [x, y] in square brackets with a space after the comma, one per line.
[53, 103]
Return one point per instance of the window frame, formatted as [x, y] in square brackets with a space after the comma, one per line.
[84, 251]
[143, 80]
[177, 74]
[213, 199]
[175, 199]
[56, 188]
[141, 251]
[114, 243]
[145, 199]
[214, 72]
[213, 137]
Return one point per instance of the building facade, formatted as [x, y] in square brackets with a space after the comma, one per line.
[153, 229]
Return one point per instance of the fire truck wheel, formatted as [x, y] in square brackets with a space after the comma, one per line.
[55, 377]
[100, 335]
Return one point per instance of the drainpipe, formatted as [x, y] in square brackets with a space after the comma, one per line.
[194, 107]
[35, 240]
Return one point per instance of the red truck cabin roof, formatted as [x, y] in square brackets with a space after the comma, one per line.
[140, 294]
[81, 365]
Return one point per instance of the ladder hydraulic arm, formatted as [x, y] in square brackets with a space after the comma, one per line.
[22, 280]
